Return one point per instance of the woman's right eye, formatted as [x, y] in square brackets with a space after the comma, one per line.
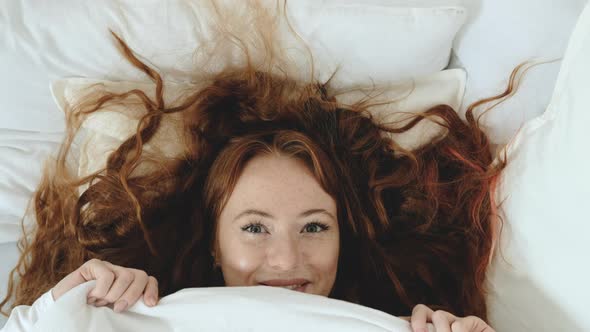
[253, 228]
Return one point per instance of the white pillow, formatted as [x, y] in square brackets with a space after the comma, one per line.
[383, 40]
[107, 129]
[542, 285]
[499, 35]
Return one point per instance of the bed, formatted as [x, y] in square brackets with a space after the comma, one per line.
[475, 43]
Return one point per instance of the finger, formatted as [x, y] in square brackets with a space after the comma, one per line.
[68, 282]
[97, 270]
[470, 324]
[133, 292]
[150, 296]
[442, 320]
[420, 316]
[123, 280]
[75, 278]
[406, 318]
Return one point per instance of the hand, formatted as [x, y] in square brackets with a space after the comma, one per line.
[444, 321]
[114, 284]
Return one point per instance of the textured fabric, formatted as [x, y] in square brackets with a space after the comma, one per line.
[220, 309]
[372, 41]
[499, 35]
[539, 281]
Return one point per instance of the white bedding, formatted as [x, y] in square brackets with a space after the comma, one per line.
[22, 153]
[221, 309]
[540, 283]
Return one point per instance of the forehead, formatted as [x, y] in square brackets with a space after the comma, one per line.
[278, 184]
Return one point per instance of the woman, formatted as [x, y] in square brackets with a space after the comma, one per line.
[277, 184]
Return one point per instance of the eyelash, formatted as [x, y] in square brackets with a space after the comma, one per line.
[323, 227]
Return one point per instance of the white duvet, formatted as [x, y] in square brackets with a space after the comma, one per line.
[258, 308]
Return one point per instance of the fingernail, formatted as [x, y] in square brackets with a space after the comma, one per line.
[91, 300]
[151, 301]
[120, 305]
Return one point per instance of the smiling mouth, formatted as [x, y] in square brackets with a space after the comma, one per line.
[298, 288]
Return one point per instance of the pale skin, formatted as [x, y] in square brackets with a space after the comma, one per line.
[277, 224]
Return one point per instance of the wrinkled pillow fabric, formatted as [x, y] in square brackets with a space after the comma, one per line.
[499, 35]
[539, 280]
[372, 41]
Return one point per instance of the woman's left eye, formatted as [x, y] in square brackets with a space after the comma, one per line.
[317, 226]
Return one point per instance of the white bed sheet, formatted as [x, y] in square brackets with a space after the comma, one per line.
[22, 154]
[8, 259]
[21, 159]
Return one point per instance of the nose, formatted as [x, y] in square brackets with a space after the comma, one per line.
[284, 254]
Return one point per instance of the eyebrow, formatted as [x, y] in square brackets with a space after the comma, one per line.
[268, 215]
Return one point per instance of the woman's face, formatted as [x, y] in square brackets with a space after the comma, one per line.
[279, 228]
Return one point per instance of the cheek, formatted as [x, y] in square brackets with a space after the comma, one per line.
[323, 260]
[239, 262]
[324, 257]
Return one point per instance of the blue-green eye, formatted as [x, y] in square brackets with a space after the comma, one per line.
[317, 226]
[253, 228]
